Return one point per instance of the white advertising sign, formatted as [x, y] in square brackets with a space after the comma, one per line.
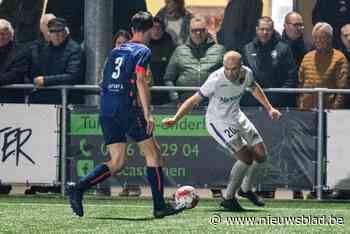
[28, 143]
[338, 166]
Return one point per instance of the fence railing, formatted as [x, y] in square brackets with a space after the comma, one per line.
[95, 89]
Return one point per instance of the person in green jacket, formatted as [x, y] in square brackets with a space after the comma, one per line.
[191, 63]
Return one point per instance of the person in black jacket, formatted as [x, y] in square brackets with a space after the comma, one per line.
[293, 35]
[162, 47]
[13, 64]
[238, 26]
[272, 63]
[59, 63]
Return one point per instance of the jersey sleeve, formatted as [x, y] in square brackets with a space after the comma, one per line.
[207, 89]
[142, 60]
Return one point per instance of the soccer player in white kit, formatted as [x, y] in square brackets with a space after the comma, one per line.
[230, 127]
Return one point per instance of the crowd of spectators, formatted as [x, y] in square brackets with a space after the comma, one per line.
[184, 54]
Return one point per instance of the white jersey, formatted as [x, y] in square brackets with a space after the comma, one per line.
[224, 95]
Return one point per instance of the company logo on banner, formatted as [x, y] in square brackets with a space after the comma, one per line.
[191, 125]
[28, 143]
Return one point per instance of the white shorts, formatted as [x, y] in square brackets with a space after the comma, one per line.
[235, 135]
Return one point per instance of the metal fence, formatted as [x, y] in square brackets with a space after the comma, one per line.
[95, 89]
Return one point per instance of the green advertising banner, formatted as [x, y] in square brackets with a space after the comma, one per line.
[191, 156]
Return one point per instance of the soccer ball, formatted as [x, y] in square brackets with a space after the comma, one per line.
[187, 197]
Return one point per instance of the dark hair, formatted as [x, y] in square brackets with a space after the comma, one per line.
[266, 19]
[142, 21]
[160, 20]
[121, 33]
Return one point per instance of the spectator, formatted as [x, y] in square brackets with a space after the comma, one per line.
[59, 63]
[271, 61]
[336, 13]
[73, 13]
[345, 37]
[121, 37]
[191, 63]
[162, 47]
[13, 63]
[324, 67]
[293, 35]
[177, 20]
[238, 26]
[38, 45]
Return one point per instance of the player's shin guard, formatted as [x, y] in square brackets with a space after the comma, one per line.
[248, 180]
[237, 174]
[99, 174]
[155, 178]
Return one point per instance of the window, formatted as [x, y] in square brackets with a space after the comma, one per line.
[278, 11]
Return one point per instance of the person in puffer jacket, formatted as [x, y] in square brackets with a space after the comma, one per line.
[191, 63]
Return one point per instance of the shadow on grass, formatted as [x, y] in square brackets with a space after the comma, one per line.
[228, 211]
[123, 218]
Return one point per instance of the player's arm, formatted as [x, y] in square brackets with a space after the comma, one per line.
[259, 94]
[184, 108]
[144, 94]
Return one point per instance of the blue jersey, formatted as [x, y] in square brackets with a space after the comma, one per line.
[119, 91]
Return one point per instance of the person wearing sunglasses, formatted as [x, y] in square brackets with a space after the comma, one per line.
[191, 63]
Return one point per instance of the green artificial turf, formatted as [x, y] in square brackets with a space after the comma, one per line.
[52, 214]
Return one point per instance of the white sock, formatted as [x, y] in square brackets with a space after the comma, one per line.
[238, 171]
[248, 180]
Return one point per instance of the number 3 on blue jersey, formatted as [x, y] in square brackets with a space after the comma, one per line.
[118, 63]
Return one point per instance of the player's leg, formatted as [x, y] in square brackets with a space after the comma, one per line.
[105, 170]
[116, 144]
[155, 176]
[154, 172]
[258, 152]
[156, 179]
[238, 171]
[246, 188]
[259, 156]
[231, 140]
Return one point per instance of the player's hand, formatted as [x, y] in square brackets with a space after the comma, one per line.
[150, 125]
[168, 122]
[39, 81]
[275, 114]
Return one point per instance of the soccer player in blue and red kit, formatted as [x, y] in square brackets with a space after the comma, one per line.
[122, 115]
